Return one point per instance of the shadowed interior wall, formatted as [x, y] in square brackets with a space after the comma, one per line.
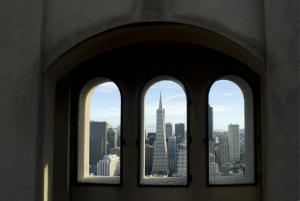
[35, 33]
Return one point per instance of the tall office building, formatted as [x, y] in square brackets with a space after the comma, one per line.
[172, 154]
[109, 166]
[234, 142]
[169, 130]
[224, 149]
[160, 158]
[210, 122]
[179, 132]
[211, 141]
[112, 138]
[118, 136]
[149, 152]
[151, 138]
[181, 160]
[98, 141]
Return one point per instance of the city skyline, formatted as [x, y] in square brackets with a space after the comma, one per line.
[225, 97]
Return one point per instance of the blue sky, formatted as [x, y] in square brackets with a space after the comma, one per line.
[227, 101]
[225, 97]
[106, 104]
[173, 101]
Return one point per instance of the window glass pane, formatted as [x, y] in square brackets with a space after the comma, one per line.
[165, 134]
[228, 139]
[103, 112]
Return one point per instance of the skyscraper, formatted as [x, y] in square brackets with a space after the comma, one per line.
[172, 154]
[224, 149]
[210, 122]
[169, 130]
[181, 160]
[149, 152]
[160, 158]
[98, 141]
[211, 141]
[111, 139]
[151, 138]
[179, 132]
[234, 142]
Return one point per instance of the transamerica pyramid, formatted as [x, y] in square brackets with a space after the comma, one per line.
[160, 158]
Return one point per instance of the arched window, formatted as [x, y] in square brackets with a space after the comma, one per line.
[99, 136]
[164, 134]
[230, 132]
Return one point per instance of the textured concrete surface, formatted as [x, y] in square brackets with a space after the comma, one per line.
[68, 23]
[282, 141]
[20, 74]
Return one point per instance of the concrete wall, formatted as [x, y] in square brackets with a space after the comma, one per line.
[269, 30]
[283, 90]
[20, 76]
[70, 22]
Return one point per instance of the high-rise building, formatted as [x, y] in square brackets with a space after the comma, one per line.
[151, 138]
[179, 132]
[118, 136]
[181, 160]
[224, 149]
[109, 166]
[111, 139]
[169, 130]
[172, 154]
[98, 141]
[234, 142]
[210, 122]
[160, 158]
[149, 152]
[211, 141]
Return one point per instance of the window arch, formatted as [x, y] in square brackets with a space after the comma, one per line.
[164, 147]
[99, 133]
[231, 155]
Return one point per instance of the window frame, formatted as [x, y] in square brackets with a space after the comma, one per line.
[253, 96]
[82, 92]
[141, 136]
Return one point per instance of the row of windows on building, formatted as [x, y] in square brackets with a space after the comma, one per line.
[164, 138]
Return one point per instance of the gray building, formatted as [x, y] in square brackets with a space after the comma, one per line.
[98, 141]
[169, 130]
[179, 132]
[181, 160]
[151, 138]
[112, 138]
[172, 154]
[149, 152]
[234, 142]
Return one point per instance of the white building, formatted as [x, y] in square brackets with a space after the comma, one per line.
[234, 142]
[160, 158]
[109, 166]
